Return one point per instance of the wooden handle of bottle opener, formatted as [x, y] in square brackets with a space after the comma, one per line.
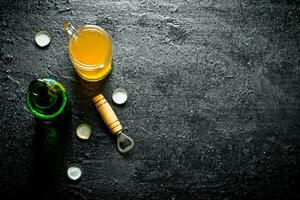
[107, 114]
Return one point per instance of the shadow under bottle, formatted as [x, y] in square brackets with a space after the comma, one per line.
[47, 100]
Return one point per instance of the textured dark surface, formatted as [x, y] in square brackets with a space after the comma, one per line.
[213, 100]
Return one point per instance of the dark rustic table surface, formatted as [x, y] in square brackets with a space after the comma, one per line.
[213, 100]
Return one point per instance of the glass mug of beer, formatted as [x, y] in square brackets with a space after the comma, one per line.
[90, 50]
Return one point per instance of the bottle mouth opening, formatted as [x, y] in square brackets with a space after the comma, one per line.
[49, 109]
[42, 96]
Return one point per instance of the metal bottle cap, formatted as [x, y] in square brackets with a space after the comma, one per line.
[119, 96]
[74, 172]
[42, 38]
[83, 131]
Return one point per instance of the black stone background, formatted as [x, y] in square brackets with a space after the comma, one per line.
[213, 100]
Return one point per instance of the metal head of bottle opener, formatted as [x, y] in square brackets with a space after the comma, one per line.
[121, 137]
[110, 119]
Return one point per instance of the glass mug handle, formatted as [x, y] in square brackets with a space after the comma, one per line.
[69, 29]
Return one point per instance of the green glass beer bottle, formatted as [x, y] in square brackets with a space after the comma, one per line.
[46, 99]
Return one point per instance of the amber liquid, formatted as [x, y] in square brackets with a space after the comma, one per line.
[90, 50]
